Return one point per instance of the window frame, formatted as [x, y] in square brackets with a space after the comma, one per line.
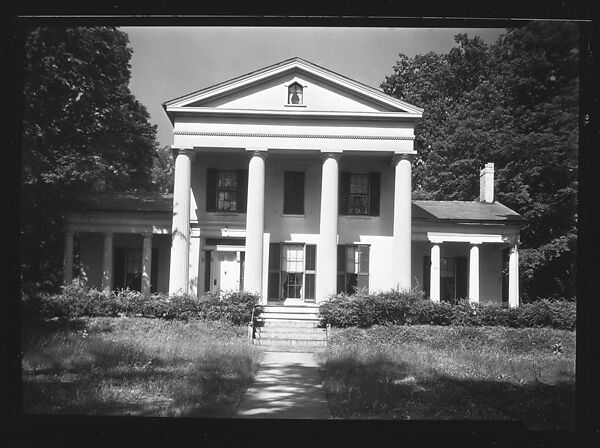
[279, 275]
[213, 190]
[361, 271]
[297, 88]
[293, 182]
[373, 193]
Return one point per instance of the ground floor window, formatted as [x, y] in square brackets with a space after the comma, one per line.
[292, 271]
[128, 268]
[453, 277]
[352, 268]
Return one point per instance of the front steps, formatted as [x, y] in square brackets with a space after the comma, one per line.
[289, 329]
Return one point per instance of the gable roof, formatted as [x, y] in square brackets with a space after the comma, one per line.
[292, 64]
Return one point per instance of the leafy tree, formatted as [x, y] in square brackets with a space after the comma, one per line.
[163, 170]
[513, 103]
[83, 131]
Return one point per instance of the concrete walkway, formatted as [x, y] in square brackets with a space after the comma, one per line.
[287, 385]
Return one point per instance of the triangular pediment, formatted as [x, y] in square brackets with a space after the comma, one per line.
[268, 90]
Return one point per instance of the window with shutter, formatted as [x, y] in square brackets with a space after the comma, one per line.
[226, 191]
[293, 193]
[359, 194]
[353, 268]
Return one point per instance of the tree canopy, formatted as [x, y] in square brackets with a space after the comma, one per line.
[514, 103]
[83, 131]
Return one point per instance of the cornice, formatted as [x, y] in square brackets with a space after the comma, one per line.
[315, 136]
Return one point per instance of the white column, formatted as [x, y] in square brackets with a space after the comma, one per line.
[402, 222]
[434, 273]
[326, 278]
[513, 277]
[68, 258]
[255, 223]
[474, 273]
[180, 234]
[107, 262]
[147, 264]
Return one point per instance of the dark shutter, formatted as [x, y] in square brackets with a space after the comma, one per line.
[341, 268]
[119, 268]
[274, 268]
[426, 275]
[311, 256]
[374, 189]
[461, 277]
[293, 193]
[309, 284]
[242, 268]
[207, 261]
[363, 267]
[344, 192]
[242, 190]
[212, 178]
[154, 272]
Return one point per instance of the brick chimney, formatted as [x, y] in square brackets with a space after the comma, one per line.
[486, 183]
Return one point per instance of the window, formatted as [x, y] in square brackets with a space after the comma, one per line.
[226, 191]
[453, 277]
[295, 92]
[359, 194]
[292, 271]
[353, 268]
[127, 269]
[293, 193]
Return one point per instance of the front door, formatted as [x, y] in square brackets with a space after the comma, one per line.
[225, 271]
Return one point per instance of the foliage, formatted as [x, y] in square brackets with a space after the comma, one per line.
[514, 103]
[83, 130]
[77, 301]
[410, 308]
[163, 170]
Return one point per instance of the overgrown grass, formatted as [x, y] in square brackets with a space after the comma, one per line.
[439, 372]
[135, 366]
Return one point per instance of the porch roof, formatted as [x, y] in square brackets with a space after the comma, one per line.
[123, 202]
[471, 211]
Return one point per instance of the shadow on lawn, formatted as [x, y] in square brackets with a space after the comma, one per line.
[388, 390]
[114, 378]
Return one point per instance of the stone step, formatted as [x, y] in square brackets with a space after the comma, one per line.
[291, 342]
[293, 316]
[289, 330]
[288, 336]
[292, 348]
[291, 309]
[286, 323]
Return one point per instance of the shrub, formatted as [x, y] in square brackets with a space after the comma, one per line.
[77, 301]
[410, 308]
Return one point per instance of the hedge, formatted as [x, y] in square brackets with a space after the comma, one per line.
[77, 301]
[411, 308]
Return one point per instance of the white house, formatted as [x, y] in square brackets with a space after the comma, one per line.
[295, 182]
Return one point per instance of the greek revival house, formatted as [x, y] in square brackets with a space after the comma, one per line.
[295, 182]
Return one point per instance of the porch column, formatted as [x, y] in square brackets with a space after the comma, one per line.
[107, 262]
[513, 276]
[474, 273]
[180, 234]
[326, 281]
[68, 258]
[402, 221]
[255, 223]
[147, 264]
[434, 273]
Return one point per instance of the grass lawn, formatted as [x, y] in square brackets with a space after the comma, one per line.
[434, 372]
[135, 366]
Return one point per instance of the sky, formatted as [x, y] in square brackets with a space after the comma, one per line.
[169, 62]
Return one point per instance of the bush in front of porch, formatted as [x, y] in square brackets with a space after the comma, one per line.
[77, 301]
[411, 308]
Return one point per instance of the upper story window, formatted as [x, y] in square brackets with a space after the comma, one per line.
[293, 193]
[295, 94]
[359, 194]
[226, 190]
